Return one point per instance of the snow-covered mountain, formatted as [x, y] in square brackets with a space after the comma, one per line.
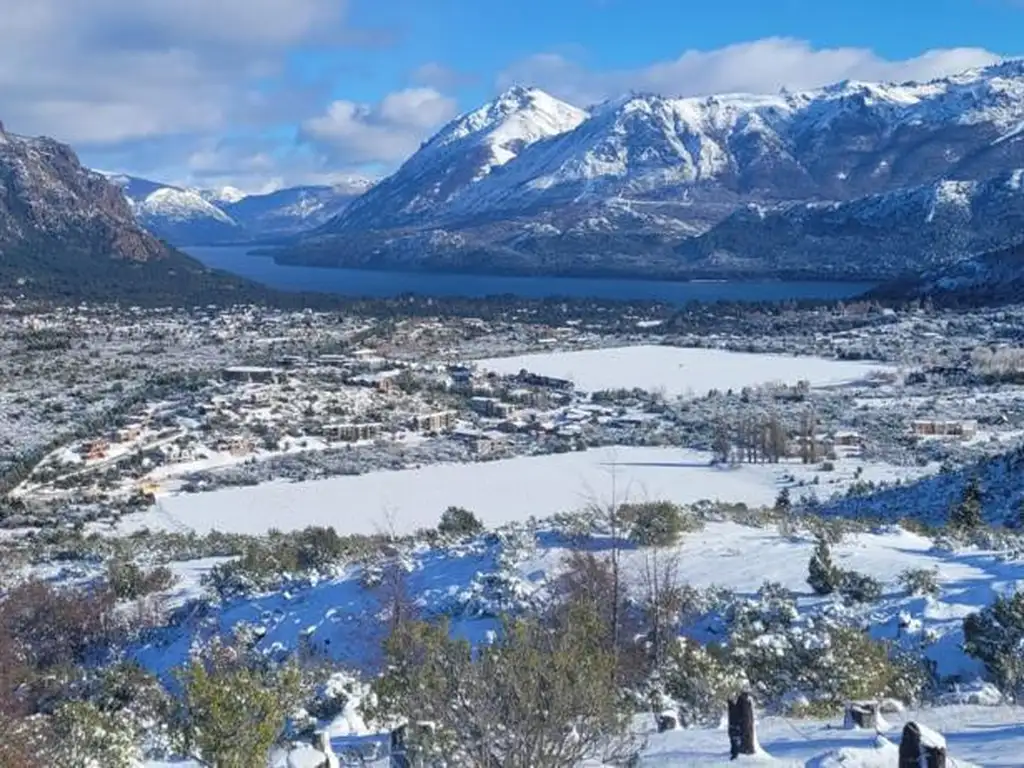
[528, 183]
[68, 232]
[462, 154]
[294, 209]
[929, 226]
[222, 195]
[185, 216]
[175, 214]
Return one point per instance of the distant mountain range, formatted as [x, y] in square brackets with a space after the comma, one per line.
[853, 181]
[186, 216]
[917, 183]
[68, 233]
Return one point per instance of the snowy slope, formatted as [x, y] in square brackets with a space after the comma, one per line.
[339, 617]
[222, 195]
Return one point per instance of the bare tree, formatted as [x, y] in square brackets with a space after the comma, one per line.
[663, 600]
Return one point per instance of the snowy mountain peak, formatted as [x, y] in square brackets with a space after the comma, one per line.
[461, 155]
[180, 205]
[518, 114]
[226, 194]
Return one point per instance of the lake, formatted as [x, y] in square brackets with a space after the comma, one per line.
[360, 282]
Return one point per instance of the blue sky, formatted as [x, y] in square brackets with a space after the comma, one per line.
[260, 93]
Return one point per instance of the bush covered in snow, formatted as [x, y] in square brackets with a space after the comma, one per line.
[813, 661]
[920, 581]
[657, 523]
[859, 587]
[129, 581]
[700, 680]
[995, 636]
[280, 558]
[459, 521]
[234, 706]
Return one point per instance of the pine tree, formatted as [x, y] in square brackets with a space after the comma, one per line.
[824, 576]
[783, 503]
[966, 516]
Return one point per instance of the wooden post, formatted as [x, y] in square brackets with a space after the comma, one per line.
[921, 747]
[742, 739]
[861, 714]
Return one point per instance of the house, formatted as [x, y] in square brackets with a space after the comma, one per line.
[848, 439]
[491, 407]
[480, 443]
[434, 422]
[95, 450]
[251, 373]
[461, 378]
[351, 432]
[547, 382]
[965, 429]
[382, 381]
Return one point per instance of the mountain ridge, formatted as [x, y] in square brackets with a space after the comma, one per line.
[187, 216]
[634, 184]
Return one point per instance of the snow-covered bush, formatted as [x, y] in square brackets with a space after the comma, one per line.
[700, 680]
[459, 521]
[859, 587]
[920, 581]
[234, 706]
[657, 523]
[995, 635]
[130, 582]
[814, 662]
[86, 736]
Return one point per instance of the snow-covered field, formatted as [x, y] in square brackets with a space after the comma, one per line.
[498, 492]
[681, 371]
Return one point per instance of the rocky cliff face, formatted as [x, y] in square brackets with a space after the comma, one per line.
[68, 233]
[47, 198]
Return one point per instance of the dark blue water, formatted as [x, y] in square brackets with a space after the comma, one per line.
[359, 282]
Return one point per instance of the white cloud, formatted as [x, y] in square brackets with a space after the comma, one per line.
[761, 66]
[385, 132]
[107, 71]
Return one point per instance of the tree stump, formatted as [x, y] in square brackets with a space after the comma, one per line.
[398, 755]
[862, 714]
[667, 721]
[742, 739]
[921, 747]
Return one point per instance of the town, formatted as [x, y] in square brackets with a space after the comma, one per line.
[133, 405]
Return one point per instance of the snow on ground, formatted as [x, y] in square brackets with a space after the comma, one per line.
[340, 617]
[681, 371]
[977, 736]
[497, 491]
[741, 558]
[990, 737]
